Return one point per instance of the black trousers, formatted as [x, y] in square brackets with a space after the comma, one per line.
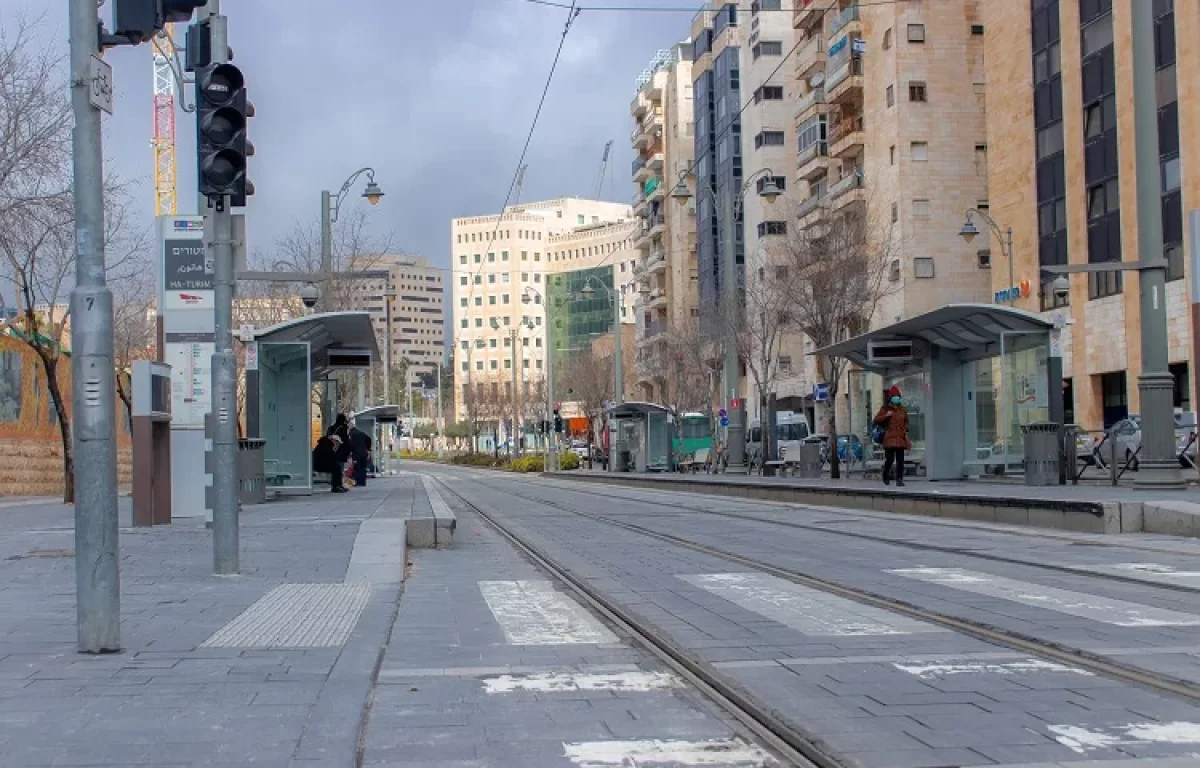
[360, 470]
[335, 477]
[896, 456]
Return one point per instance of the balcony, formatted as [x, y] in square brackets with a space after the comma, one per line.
[810, 211]
[639, 106]
[845, 84]
[808, 13]
[810, 58]
[848, 16]
[812, 161]
[641, 172]
[655, 224]
[852, 180]
[640, 139]
[847, 137]
[656, 299]
[655, 161]
[815, 98]
[657, 262]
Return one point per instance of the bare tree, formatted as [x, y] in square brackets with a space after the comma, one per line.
[839, 272]
[587, 377]
[133, 330]
[694, 362]
[37, 227]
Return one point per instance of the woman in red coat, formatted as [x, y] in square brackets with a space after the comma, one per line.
[894, 420]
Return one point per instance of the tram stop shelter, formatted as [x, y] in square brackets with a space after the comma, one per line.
[380, 423]
[971, 376]
[640, 437]
[285, 364]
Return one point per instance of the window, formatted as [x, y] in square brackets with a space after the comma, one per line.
[478, 322]
[504, 299]
[891, 95]
[503, 255]
[984, 258]
[1050, 140]
[894, 274]
[524, 277]
[766, 228]
[768, 93]
[464, 323]
[785, 364]
[1170, 174]
[1097, 35]
[1102, 199]
[491, 279]
[492, 365]
[769, 139]
[478, 280]
[537, 277]
[479, 365]
[892, 154]
[492, 300]
[767, 48]
[923, 267]
[976, 29]
[920, 151]
[916, 90]
[887, 38]
[580, 220]
[478, 258]
[462, 280]
[916, 33]
[895, 212]
[478, 301]
[491, 258]
[462, 259]
[921, 209]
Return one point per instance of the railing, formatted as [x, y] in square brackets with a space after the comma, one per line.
[809, 205]
[653, 221]
[655, 328]
[638, 162]
[842, 19]
[655, 258]
[844, 128]
[853, 66]
[806, 54]
[847, 183]
[815, 96]
[812, 152]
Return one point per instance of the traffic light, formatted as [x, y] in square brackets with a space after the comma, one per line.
[221, 144]
[140, 20]
[558, 423]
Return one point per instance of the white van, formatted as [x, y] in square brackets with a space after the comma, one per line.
[791, 429]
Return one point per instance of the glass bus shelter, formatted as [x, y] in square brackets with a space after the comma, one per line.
[290, 388]
[971, 376]
[640, 437]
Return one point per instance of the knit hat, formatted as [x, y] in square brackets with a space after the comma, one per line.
[893, 392]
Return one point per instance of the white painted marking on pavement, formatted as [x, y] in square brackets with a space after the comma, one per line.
[729, 753]
[534, 613]
[1083, 739]
[296, 616]
[1025, 666]
[806, 610]
[636, 682]
[1104, 609]
[1156, 572]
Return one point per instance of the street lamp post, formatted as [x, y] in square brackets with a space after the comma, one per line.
[330, 205]
[551, 441]
[969, 231]
[388, 295]
[736, 449]
[614, 299]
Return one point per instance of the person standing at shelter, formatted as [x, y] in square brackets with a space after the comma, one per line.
[360, 449]
[893, 418]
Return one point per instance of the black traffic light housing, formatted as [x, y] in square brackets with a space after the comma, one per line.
[140, 20]
[558, 422]
[222, 147]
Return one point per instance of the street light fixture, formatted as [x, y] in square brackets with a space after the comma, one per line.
[731, 363]
[330, 206]
[551, 439]
[969, 232]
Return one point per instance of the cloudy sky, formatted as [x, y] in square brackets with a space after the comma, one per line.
[436, 95]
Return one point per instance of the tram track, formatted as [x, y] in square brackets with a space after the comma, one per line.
[926, 547]
[1035, 646]
[798, 747]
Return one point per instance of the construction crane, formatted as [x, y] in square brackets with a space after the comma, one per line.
[603, 169]
[164, 123]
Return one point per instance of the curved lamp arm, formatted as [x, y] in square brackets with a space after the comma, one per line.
[336, 202]
[996, 229]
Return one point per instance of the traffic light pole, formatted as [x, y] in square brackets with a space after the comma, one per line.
[224, 364]
[97, 579]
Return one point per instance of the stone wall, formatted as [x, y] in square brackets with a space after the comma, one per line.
[30, 437]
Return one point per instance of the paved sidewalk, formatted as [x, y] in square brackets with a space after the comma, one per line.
[253, 696]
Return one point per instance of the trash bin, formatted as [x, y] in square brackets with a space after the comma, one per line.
[1043, 453]
[252, 480]
[808, 460]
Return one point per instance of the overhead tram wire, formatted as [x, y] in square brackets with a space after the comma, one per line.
[572, 15]
[684, 9]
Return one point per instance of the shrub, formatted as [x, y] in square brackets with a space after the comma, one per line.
[528, 464]
[569, 461]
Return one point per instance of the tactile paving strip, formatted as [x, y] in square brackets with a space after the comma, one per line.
[296, 616]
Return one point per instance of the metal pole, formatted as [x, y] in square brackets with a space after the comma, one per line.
[551, 435]
[362, 390]
[408, 396]
[438, 424]
[97, 579]
[1012, 280]
[618, 363]
[326, 248]
[736, 449]
[1158, 466]
[516, 430]
[224, 364]
[387, 352]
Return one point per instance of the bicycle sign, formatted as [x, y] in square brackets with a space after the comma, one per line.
[100, 85]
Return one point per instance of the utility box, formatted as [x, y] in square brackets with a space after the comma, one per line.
[1043, 453]
[807, 460]
[151, 443]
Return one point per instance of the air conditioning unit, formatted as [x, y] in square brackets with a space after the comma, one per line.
[349, 358]
[892, 351]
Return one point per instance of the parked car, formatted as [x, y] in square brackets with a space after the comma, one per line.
[580, 449]
[1127, 434]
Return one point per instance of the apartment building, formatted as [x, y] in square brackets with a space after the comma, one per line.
[1062, 176]
[663, 138]
[418, 308]
[499, 258]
